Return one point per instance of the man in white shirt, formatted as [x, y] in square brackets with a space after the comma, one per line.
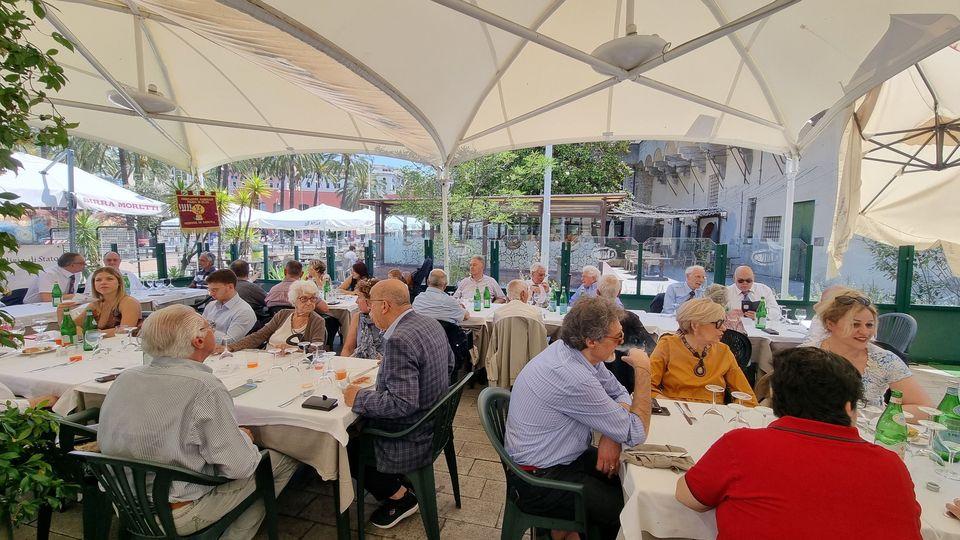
[435, 303]
[519, 295]
[539, 286]
[8, 398]
[745, 288]
[478, 280]
[230, 316]
[68, 274]
[678, 293]
[112, 259]
[349, 259]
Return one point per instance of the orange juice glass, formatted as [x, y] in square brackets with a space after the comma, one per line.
[253, 363]
[341, 374]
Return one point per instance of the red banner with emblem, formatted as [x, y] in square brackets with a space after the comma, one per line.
[198, 212]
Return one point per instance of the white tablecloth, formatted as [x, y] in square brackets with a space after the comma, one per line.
[150, 299]
[651, 507]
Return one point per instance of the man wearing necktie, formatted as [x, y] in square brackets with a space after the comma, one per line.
[680, 292]
[67, 275]
[745, 289]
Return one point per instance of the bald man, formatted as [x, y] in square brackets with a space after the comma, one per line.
[746, 289]
[414, 374]
[112, 259]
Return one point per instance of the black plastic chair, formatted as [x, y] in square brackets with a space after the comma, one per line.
[461, 342]
[15, 298]
[897, 330]
[656, 305]
[146, 514]
[493, 405]
[742, 350]
[424, 483]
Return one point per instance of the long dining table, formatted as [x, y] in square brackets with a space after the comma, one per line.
[316, 438]
[150, 299]
[651, 509]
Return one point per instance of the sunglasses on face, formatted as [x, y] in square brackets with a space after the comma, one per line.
[847, 300]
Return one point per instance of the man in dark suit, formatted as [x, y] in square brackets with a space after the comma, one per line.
[415, 373]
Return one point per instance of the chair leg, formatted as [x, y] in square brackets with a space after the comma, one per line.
[360, 495]
[97, 512]
[44, 517]
[451, 455]
[343, 518]
[424, 486]
[270, 518]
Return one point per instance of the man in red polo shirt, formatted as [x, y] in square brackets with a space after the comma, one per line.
[809, 474]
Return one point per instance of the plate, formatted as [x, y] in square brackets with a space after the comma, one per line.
[38, 349]
[333, 302]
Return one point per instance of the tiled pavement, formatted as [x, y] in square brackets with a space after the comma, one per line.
[306, 506]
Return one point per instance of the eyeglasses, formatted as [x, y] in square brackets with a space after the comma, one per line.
[718, 324]
[618, 338]
[847, 300]
[744, 280]
[307, 299]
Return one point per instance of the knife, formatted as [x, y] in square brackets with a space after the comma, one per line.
[687, 418]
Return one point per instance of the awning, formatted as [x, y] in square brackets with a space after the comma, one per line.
[637, 210]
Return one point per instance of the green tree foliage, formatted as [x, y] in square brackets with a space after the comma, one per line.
[933, 282]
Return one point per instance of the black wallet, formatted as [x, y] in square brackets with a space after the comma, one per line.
[320, 403]
[747, 305]
[657, 409]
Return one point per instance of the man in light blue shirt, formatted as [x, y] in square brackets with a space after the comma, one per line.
[588, 283]
[678, 293]
[230, 316]
[435, 303]
[562, 396]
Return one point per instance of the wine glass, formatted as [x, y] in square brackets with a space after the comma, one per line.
[800, 314]
[739, 407]
[932, 429]
[714, 390]
[92, 339]
[949, 470]
[124, 331]
[40, 327]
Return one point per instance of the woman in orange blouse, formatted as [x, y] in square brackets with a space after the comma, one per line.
[683, 364]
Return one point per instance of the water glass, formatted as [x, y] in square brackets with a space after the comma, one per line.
[92, 339]
[714, 390]
[800, 314]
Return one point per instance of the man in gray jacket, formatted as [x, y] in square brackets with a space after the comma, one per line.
[414, 375]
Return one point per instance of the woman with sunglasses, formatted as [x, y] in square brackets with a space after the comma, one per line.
[850, 321]
[301, 321]
[683, 364]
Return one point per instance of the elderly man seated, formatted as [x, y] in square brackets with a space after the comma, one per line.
[745, 291]
[609, 287]
[678, 293]
[112, 259]
[798, 477]
[205, 266]
[435, 303]
[539, 286]
[519, 295]
[277, 296]
[562, 396]
[229, 316]
[478, 280]
[176, 412]
[588, 283]
[414, 374]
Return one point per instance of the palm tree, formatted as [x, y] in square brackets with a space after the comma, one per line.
[326, 174]
[293, 168]
[248, 196]
[356, 181]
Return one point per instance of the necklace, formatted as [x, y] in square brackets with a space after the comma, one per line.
[699, 370]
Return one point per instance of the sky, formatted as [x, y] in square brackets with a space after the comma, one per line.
[393, 162]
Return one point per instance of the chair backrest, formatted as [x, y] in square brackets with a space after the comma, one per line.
[443, 412]
[460, 341]
[493, 405]
[143, 508]
[739, 345]
[897, 329]
[15, 298]
[656, 305]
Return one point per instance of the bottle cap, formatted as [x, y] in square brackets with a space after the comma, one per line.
[933, 486]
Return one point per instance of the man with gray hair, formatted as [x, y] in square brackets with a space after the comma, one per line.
[678, 293]
[68, 275]
[435, 303]
[588, 283]
[559, 399]
[478, 280]
[205, 265]
[175, 411]
[539, 287]
[518, 306]
[112, 259]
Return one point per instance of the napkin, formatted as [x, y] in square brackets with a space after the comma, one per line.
[658, 456]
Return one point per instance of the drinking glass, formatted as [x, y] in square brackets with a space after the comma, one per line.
[800, 314]
[276, 362]
[739, 407]
[40, 327]
[714, 390]
[949, 470]
[933, 429]
[92, 338]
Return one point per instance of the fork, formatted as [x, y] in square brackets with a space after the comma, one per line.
[304, 394]
[692, 417]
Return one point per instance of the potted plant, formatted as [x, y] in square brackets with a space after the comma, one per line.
[28, 458]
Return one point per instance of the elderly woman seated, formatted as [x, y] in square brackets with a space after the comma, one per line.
[609, 287]
[683, 364]
[301, 321]
[734, 317]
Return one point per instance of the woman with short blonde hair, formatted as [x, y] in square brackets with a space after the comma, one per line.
[733, 318]
[683, 364]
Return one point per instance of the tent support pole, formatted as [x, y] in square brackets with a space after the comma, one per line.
[545, 218]
[792, 168]
[445, 217]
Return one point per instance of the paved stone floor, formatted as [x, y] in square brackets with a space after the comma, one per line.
[306, 506]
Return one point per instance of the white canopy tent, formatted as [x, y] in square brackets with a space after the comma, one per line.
[318, 218]
[91, 192]
[900, 164]
[390, 224]
[442, 81]
[234, 217]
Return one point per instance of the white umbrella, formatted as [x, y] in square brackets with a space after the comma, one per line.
[92, 192]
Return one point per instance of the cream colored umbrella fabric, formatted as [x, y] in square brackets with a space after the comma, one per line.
[444, 80]
[894, 194]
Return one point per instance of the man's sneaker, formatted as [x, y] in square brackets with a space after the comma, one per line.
[392, 511]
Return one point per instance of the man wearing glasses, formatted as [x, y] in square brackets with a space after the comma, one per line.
[745, 295]
[68, 274]
[562, 396]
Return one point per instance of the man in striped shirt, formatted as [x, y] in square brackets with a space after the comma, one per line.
[175, 411]
[562, 396]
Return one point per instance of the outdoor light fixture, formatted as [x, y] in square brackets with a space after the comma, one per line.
[151, 100]
[631, 50]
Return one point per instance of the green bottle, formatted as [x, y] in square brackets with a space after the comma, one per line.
[486, 297]
[892, 427]
[762, 314]
[326, 290]
[950, 405]
[57, 295]
[89, 324]
[126, 283]
[562, 304]
[477, 301]
[68, 330]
